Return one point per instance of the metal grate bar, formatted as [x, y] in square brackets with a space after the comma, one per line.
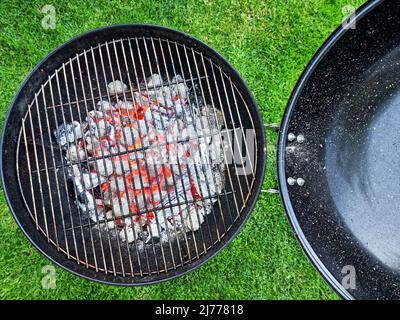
[216, 119]
[113, 165]
[38, 177]
[47, 178]
[147, 128]
[30, 176]
[130, 169]
[114, 220]
[187, 167]
[87, 162]
[209, 124]
[101, 97]
[76, 195]
[64, 176]
[179, 164]
[156, 209]
[181, 101]
[169, 198]
[225, 129]
[234, 91]
[195, 167]
[169, 238]
[179, 128]
[141, 140]
[103, 112]
[55, 176]
[117, 185]
[198, 140]
[128, 152]
[77, 152]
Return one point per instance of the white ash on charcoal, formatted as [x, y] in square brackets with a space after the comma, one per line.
[116, 87]
[148, 163]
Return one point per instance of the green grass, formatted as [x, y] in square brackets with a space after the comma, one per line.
[269, 43]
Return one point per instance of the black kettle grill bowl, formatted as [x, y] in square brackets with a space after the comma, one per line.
[16, 174]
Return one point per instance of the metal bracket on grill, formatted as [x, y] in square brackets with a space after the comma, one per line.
[270, 190]
[275, 128]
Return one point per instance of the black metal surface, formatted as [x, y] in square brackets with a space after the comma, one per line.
[347, 106]
[12, 135]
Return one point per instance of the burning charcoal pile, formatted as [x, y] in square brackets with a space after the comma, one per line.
[147, 162]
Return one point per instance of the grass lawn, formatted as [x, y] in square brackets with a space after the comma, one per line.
[269, 43]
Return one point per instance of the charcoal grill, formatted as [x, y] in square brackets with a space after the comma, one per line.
[64, 87]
